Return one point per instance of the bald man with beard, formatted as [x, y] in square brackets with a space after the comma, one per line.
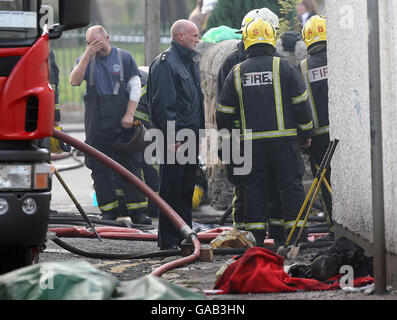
[175, 97]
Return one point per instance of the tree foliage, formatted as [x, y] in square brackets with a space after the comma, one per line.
[289, 20]
[231, 12]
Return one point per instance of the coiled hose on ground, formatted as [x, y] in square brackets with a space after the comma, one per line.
[179, 223]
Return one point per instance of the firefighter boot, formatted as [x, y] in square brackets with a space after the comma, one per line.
[277, 234]
[140, 217]
[109, 215]
[260, 236]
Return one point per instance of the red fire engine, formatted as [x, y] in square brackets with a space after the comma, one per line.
[26, 117]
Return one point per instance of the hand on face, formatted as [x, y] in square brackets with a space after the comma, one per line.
[94, 47]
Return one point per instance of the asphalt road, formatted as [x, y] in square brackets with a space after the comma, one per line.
[79, 182]
[197, 277]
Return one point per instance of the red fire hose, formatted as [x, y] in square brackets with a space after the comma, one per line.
[120, 233]
[186, 231]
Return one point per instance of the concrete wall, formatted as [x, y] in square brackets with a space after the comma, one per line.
[347, 27]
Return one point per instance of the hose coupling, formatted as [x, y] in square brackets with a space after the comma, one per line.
[188, 233]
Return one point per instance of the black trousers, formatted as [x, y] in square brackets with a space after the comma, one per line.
[176, 188]
[282, 158]
[102, 118]
[151, 178]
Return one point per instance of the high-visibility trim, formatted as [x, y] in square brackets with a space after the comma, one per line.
[225, 109]
[137, 205]
[290, 224]
[269, 134]
[239, 89]
[142, 116]
[239, 225]
[143, 91]
[306, 126]
[236, 124]
[109, 206]
[281, 132]
[276, 222]
[119, 192]
[277, 93]
[57, 106]
[255, 226]
[305, 75]
[302, 98]
[321, 130]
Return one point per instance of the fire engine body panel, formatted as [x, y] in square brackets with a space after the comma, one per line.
[27, 106]
[26, 98]
[26, 114]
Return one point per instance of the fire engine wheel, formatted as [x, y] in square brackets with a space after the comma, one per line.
[12, 258]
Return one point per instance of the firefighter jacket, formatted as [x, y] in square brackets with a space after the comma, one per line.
[237, 56]
[315, 74]
[174, 90]
[142, 111]
[268, 94]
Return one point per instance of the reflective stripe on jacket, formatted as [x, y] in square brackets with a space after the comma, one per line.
[315, 74]
[270, 97]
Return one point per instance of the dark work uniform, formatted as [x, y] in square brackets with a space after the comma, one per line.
[315, 74]
[175, 96]
[275, 215]
[150, 171]
[106, 102]
[270, 96]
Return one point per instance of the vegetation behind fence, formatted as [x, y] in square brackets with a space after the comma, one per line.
[72, 45]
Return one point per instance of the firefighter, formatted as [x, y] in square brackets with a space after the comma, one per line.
[314, 70]
[269, 95]
[150, 170]
[275, 222]
[176, 99]
[113, 92]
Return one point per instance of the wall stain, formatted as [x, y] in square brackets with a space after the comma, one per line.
[357, 105]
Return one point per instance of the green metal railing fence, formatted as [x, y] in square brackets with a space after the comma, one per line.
[72, 45]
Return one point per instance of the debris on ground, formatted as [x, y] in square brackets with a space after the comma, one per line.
[260, 270]
[233, 238]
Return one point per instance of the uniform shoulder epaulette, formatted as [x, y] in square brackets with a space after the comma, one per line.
[164, 56]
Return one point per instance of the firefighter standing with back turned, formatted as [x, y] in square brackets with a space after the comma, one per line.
[269, 94]
[275, 221]
[315, 74]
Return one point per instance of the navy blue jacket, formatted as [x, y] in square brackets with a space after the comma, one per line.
[174, 90]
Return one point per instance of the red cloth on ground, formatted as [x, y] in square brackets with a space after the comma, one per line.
[260, 270]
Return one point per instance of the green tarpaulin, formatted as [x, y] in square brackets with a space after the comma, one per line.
[79, 280]
[218, 34]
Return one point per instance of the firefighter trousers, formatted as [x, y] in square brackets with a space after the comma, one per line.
[101, 119]
[177, 182]
[151, 178]
[282, 157]
[176, 188]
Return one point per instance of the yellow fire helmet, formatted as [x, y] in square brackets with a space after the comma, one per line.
[314, 30]
[263, 13]
[259, 31]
